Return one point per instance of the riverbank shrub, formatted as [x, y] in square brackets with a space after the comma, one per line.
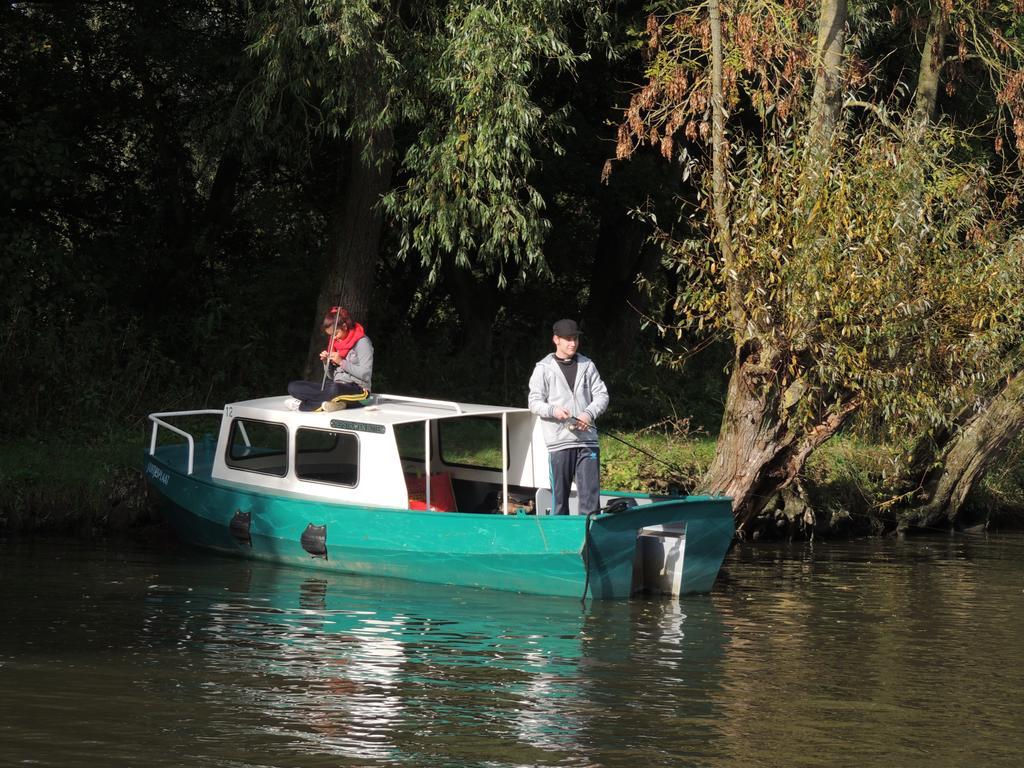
[92, 487]
[85, 487]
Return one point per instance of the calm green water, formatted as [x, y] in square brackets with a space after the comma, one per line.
[876, 653]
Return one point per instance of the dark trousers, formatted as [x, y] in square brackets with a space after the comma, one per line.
[312, 396]
[582, 464]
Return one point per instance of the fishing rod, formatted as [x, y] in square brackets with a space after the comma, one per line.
[330, 345]
[678, 470]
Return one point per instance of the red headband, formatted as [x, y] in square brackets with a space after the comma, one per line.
[341, 313]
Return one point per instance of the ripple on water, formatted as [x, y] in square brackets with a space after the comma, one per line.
[860, 654]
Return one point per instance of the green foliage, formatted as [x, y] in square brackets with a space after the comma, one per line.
[338, 64]
[883, 266]
[460, 79]
[898, 280]
[856, 482]
[87, 487]
[681, 461]
[998, 500]
[140, 256]
[466, 188]
[157, 252]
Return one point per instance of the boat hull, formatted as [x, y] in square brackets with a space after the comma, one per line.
[537, 554]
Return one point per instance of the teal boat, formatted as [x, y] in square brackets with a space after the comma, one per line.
[419, 489]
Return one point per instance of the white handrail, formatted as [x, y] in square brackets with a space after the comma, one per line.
[157, 419]
[426, 448]
[504, 503]
[422, 401]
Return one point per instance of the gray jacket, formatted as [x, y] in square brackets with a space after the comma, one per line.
[550, 390]
[357, 366]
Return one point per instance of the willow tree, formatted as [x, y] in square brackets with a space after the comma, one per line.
[844, 246]
[980, 47]
[459, 80]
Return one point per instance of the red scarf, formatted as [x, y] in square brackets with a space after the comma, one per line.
[344, 345]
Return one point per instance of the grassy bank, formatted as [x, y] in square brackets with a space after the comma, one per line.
[93, 486]
[69, 484]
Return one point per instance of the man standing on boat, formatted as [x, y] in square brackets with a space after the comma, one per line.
[567, 392]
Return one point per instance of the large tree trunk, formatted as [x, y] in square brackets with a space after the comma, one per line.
[220, 205]
[760, 449]
[219, 208]
[971, 452]
[355, 244]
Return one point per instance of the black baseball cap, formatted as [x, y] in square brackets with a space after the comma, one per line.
[566, 328]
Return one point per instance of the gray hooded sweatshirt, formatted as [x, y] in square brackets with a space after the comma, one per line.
[357, 366]
[550, 390]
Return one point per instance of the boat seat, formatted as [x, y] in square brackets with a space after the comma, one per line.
[544, 501]
[442, 496]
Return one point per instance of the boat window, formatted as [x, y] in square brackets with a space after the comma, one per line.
[471, 441]
[258, 446]
[327, 457]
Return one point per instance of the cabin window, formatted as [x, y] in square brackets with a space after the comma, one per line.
[471, 441]
[258, 446]
[327, 457]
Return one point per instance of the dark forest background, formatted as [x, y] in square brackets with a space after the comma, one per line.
[161, 249]
[185, 188]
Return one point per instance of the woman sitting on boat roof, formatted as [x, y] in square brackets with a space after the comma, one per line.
[349, 361]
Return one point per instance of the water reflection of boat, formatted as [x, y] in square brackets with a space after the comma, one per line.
[336, 662]
[366, 670]
[415, 489]
[313, 612]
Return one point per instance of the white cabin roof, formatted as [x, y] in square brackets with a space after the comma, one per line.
[382, 409]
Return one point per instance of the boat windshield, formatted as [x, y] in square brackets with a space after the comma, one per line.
[472, 441]
[468, 441]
